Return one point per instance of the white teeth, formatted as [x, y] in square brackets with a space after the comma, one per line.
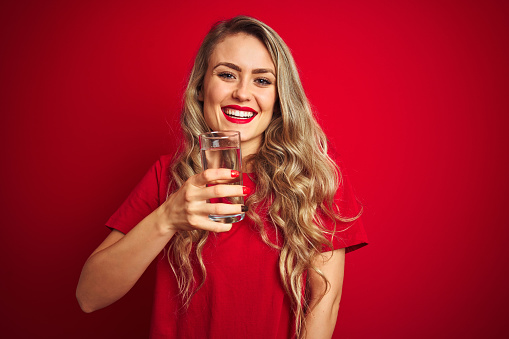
[238, 114]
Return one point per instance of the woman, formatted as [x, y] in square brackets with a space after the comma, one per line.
[279, 272]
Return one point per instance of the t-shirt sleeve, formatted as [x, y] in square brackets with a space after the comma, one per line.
[348, 234]
[145, 198]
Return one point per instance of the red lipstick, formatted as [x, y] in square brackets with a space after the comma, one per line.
[232, 114]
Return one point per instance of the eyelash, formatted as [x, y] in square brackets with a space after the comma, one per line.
[229, 76]
[264, 81]
[226, 75]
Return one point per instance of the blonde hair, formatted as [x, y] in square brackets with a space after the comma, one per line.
[292, 167]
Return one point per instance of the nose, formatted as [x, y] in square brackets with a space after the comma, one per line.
[242, 92]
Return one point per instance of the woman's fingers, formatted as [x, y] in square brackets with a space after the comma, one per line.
[219, 182]
[202, 195]
[203, 222]
[217, 191]
[222, 191]
[213, 226]
[224, 209]
[214, 176]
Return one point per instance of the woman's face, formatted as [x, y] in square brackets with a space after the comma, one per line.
[239, 89]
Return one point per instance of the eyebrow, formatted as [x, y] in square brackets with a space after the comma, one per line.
[238, 69]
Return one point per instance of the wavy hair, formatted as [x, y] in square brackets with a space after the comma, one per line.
[292, 167]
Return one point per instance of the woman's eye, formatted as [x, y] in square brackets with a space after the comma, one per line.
[263, 81]
[226, 75]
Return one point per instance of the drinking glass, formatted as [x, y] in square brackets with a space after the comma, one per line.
[221, 149]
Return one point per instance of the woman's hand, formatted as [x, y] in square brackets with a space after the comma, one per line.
[187, 209]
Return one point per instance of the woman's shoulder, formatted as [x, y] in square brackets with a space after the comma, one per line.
[162, 166]
[166, 160]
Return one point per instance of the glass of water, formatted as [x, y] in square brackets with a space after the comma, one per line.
[221, 149]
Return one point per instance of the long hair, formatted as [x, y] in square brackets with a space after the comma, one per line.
[292, 167]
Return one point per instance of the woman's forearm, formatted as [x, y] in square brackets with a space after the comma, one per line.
[117, 264]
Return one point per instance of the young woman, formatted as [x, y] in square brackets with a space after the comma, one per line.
[279, 272]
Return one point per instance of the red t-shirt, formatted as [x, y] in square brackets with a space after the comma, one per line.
[242, 296]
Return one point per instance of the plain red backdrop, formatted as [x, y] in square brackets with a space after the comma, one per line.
[413, 95]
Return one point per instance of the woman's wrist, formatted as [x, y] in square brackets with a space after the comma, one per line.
[162, 223]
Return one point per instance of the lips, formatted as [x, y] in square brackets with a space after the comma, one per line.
[238, 114]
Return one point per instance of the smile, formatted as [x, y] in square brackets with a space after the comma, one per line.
[238, 116]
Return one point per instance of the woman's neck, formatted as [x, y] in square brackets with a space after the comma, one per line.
[248, 148]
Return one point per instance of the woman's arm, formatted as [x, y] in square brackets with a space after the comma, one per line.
[117, 264]
[322, 315]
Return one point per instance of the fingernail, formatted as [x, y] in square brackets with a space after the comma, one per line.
[246, 190]
[244, 208]
[235, 173]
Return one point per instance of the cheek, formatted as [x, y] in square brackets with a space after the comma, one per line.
[265, 120]
[210, 117]
[211, 102]
[215, 92]
[268, 101]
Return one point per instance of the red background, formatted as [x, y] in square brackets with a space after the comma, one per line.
[413, 94]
